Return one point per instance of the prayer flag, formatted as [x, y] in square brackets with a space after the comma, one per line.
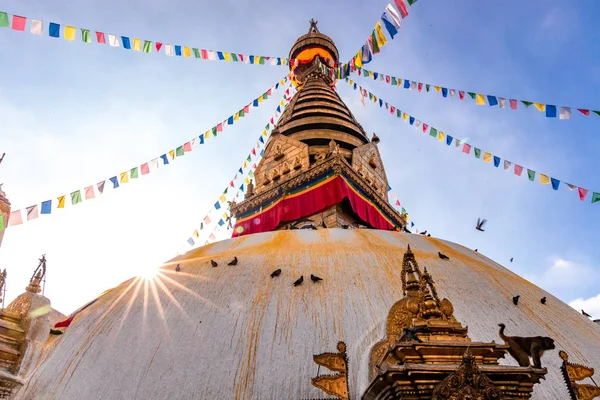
[565, 113]
[100, 38]
[124, 177]
[531, 174]
[4, 20]
[501, 102]
[473, 95]
[15, 218]
[89, 192]
[165, 159]
[85, 36]
[466, 148]
[477, 152]
[496, 161]
[145, 169]
[148, 46]
[47, 207]
[53, 30]
[179, 151]
[187, 52]
[113, 41]
[114, 181]
[137, 44]
[441, 136]
[492, 101]
[172, 154]
[526, 103]
[506, 165]
[555, 183]
[394, 17]
[479, 99]
[217, 205]
[402, 8]
[134, 172]
[582, 193]
[448, 140]
[513, 104]
[206, 220]
[372, 40]
[544, 180]
[126, 42]
[169, 50]
[452, 92]
[550, 111]
[76, 197]
[444, 92]
[541, 107]
[37, 27]
[187, 147]
[518, 170]
[389, 25]
[32, 212]
[154, 163]
[177, 50]
[190, 241]
[487, 157]
[595, 197]
[18, 24]
[461, 95]
[584, 112]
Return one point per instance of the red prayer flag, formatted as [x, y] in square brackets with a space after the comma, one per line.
[204, 54]
[145, 169]
[466, 148]
[287, 91]
[398, 203]
[518, 170]
[513, 104]
[220, 126]
[425, 126]
[272, 123]
[241, 57]
[387, 79]
[392, 109]
[402, 8]
[420, 86]
[270, 91]
[247, 109]
[461, 94]
[253, 152]
[582, 193]
[231, 184]
[100, 37]
[187, 147]
[584, 112]
[18, 23]
[158, 46]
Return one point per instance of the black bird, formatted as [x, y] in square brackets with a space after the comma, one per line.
[475, 250]
[299, 281]
[315, 278]
[233, 262]
[586, 314]
[516, 299]
[429, 235]
[443, 256]
[177, 268]
[511, 259]
[543, 300]
[275, 273]
[213, 263]
[480, 223]
[424, 232]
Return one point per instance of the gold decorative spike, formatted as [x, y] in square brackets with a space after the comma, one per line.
[38, 276]
[335, 385]
[468, 382]
[2, 282]
[313, 26]
[577, 372]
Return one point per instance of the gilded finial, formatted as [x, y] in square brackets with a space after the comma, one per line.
[2, 282]
[375, 139]
[313, 26]
[38, 276]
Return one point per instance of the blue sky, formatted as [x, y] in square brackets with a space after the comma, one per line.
[73, 114]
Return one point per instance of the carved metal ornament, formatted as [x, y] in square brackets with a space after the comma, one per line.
[467, 383]
[334, 385]
[577, 372]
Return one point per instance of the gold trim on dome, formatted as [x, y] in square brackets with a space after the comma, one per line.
[334, 385]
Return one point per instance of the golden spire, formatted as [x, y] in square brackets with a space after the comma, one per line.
[38, 276]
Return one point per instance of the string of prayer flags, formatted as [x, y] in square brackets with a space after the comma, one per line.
[239, 176]
[91, 191]
[549, 110]
[71, 33]
[487, 156]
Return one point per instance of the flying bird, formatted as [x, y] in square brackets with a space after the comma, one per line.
[275, 273]
[511, 259]
[480, 223]
[299, 281]
[177, 268]
[516, 299]
[586, 314]
[315, 278]
[213, 263]
[233, 262]
[443, 256]
[543, 300]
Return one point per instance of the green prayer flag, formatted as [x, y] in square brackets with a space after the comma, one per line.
[403, 210]
[85, 35]
[370, 96]
[3, 20]
[527, 103]
[1, 223]
[375, 44]
[225, 192]
[251, 174]
[596, 112]
[427, 86]
[394, 82]
[76, 197]
[241, 112]
[134, 172]
[267, 127]
[472, 95]
[179, 151]
[261, 60]
[147, 46]
[234, 57]
[595, 197]
[398, 113]
[531, 174]
[214, 131]
[249, 158]
[196, 53]
[265, 96]
[411, 2]
[477, 152]
[433, 132]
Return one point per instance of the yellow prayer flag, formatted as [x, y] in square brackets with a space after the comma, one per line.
[405, 116]
[196, 234]
[222, 199]
[441, 136]
[207, 134]
[381, 40]
[124, 177]
[281, 103]
[137, 44]
[227, 56]
[539, 106]
[544, 180]
[265, 132]
[61, 202]
[260, 99]
[70, 32]
[245, 165]
[406, 216]
[374, 99]
[399, 82]
[187, 52]
[437, 88]
[479, 99]
[247, 181]
[487, 157]
[358, 59]
[236, 116]
[281, 82]
[351, 82]
[172, 154]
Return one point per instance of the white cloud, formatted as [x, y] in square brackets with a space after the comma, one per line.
[590, 306]
[564, 277]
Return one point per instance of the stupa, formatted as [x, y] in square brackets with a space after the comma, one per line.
[328, 299]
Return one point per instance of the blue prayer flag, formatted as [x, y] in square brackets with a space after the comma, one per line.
[492, 101]
[388, 25]
[412, 224]
[255, 103]
[126, 42]
[165, 159]
[54, 30]
[221, 222]
[191, 241]
[217, 205]
[230, 120]
[220, 55]
[444, 92]
[251, 59]
[276, 85]
[375, 75]
[496, 161]
[411, 120]
[262, 152]
[354, 85]
[406, 84]
[389, 188]
[242, 187]
[380, 103]
[555, 183]
[47, 207]
[449, 140]
[550, 111]
[177, 50]
[261, 140]
[115, 182]
[240, 170]
[201, 139]
[278, 109]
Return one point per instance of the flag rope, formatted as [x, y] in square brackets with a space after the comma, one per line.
[466, 147]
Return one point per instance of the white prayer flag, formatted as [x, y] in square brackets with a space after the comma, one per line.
[417, 123]
[154, 163]
[501, 102]
[212, 55]
[457, 143]
[195, 142]
[37, 27]
[395, 18]
[169, 50]
[565, 113]
[571, 187]
[506, 165]
[452, 93]
[32, 212]
[413, 85]
[113, 41]
[273, 61]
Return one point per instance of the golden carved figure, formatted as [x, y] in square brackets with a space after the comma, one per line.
[334, 385]
[577, 372]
